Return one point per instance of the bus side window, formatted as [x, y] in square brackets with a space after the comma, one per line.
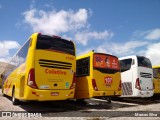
[125, 64]
[155, 73]
[22, 54]
[83, 67]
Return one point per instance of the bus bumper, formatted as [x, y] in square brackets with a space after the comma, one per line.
[144, 94]
[106, 93]
[47, 95]
[157, 91]
[92, 93]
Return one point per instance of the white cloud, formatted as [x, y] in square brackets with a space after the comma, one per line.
[153, 53]
[67, 37]
[153, 34]
[62, 22]
[5, 59]
[152, 49]
[53, 22]
[85, 36]
[84, 51]
[118, 49]
[101, 49]
[5, 46]
[121, 49]
[138, 34]
[33, 2]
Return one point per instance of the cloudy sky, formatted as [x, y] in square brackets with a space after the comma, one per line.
[118, 27]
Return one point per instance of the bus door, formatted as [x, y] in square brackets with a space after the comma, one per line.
[106, 72]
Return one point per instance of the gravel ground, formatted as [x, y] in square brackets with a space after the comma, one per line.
[92, 109]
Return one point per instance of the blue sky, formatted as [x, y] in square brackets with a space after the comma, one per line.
[118, 27]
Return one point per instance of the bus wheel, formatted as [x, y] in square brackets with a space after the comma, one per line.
[81, 101]
[3, 92]
[14, 100]
[109, 99]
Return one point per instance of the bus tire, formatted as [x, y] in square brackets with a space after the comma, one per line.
[3, 92]
[109, 99]
[14, 100]
[80, 101]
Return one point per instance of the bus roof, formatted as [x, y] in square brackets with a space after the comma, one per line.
[125, 57]
[156, 66]
[92, 52]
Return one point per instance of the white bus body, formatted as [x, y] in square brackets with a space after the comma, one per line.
[136, 76]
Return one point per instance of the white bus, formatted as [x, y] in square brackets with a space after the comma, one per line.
[136, 76]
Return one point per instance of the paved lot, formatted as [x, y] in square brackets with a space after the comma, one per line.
[92, 109]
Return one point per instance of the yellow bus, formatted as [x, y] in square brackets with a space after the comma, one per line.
[156, 79]
[97, 75]
[0, 82]
[44, 69]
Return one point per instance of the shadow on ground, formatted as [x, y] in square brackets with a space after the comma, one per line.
[141, 101]
[88, 108]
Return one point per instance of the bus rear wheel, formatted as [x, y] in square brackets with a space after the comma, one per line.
[109, 99]
[81, 101]
[14, 100]
[3, 92]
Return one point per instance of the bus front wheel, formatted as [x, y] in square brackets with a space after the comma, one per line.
[14, 100]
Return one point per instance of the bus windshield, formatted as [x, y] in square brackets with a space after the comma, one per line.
[125, 64]
[156, 72]
[106, 62]
[144, 62]
[55, 43]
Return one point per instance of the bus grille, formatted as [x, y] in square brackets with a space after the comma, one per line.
[127, 88]
[54, 64]
[145, 75]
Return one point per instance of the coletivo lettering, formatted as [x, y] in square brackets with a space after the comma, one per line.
[53, 71]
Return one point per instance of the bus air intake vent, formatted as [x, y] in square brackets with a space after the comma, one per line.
[145, 75]
[54, 64]
[127, 88]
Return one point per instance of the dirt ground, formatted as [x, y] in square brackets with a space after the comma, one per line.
[91, 109]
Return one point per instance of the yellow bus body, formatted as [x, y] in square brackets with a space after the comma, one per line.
[84, 88]
[53, 83]
[0, 82]
[156, 79]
